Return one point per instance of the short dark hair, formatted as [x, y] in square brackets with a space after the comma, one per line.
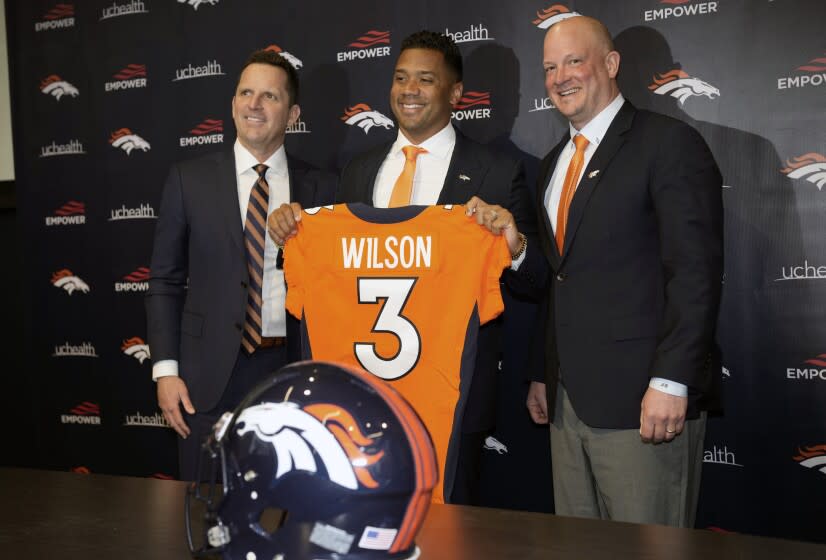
[271, 57]
[437, 42]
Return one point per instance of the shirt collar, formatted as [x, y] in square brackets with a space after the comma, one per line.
[245, 161]
[595, 130]
[439, 145]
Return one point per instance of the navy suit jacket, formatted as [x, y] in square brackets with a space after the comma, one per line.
[496, 178]
[197, 295]
[636, 290]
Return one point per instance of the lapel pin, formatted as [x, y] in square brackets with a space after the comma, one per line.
[464, 177]
[593, 173]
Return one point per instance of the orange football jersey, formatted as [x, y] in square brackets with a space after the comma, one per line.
[400, 292]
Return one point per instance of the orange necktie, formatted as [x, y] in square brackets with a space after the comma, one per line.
[404, 184]
[569, 188]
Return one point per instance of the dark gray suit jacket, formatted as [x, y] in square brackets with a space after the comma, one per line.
[198, 285]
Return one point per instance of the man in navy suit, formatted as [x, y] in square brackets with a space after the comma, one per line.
[452, 169]
[200, 288]
[630, 211]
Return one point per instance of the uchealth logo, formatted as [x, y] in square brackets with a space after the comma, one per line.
[677, 83]
[123, 9]
[198, 3]
[362, 116]
[470, 35]
[291, 58]
[541, 104]
[810, 167]
[71, 213]
[56, 87]
[133, 76]
[805, 271]
[69, 350]
[680, 8]
[137, 281]
[136, 348]
[127, 141]
[155, 420]
[142, 212]
[189, 72]
[298, 127]
[813, 74]
[812, 457]
[66, 280]
[210, 131]
[84, 413]
[814, 369]
[367, 46]
[553, 14]
[720, 456]
[473, 105]
[71, 148]
[59, 17]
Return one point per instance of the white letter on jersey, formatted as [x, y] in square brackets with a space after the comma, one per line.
[350, 253]
[395, 292]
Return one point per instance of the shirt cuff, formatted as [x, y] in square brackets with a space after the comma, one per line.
[164, 368]
[668, 386]
[519, 260]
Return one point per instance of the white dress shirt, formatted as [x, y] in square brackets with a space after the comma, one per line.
[273, 314]
[431, 168]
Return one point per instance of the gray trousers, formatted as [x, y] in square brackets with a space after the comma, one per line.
[612, 474]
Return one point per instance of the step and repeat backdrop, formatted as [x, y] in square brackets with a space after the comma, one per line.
[108, 93]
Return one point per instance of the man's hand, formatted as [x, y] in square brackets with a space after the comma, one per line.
[538, 402]
[172, 392]
[497, 219]
[662, 416]
[282, 223]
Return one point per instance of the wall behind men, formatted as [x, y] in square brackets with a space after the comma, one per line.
[109, 93]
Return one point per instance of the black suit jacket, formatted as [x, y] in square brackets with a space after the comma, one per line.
[636, 290]
[496, 178]
[198, 285]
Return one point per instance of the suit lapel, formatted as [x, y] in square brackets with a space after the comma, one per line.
[226, 189]
[547, 171]
[464, 174]
[594, 172]
[371, 172]
[295, 179]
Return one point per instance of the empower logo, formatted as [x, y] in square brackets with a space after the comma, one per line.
[812, 457]
[83, 350]
[126, 140]
[128, 9]
[131, 77]
[473, 105]
[66, 280]
[137, 281]
[59, 17]
[810, 167]
[553, 14]
[84, 413]
[71, 213]
[815, 371]
[210, 131]
[680, 8]
[70, 148]
[292, 59]
[815, 76]
[472, 34]
[56, 87]
[366, 46]
[362, 116]
[142, 212]
[136, 348]
[677, 83]
[197, 3]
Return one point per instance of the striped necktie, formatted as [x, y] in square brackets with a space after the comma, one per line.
[254, 241]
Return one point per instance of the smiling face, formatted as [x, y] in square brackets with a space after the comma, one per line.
[423, 93]
[261, 109]
[580, 69]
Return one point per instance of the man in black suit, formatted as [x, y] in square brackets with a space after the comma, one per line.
[452, 169]
[631, 225]
[215, 307]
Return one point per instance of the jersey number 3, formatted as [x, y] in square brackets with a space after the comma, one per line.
[394, 292]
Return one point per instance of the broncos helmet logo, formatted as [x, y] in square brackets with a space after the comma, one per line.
[813, 456]
[136, 348]
[364, 117]
[66, 280]
[811, 167]
[126, 140]
[196, 3]
[682, 86]
[320, 430]
[57, 88]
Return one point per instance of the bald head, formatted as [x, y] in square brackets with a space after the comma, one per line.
[581, 67]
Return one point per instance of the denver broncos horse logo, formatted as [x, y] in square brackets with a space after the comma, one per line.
[57, 88]
[127, 141]
[364, 117]
[552, 15]
[292, 59]
[196, 3]
[811, 167]
[682, 86]
[66, 280]
[813, 456]
[136, 348]
[320, 430]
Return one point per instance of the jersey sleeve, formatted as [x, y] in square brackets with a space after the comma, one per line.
[495, 258]
[294, 271]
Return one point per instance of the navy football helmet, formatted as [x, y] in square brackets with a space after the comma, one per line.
[320, 461]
